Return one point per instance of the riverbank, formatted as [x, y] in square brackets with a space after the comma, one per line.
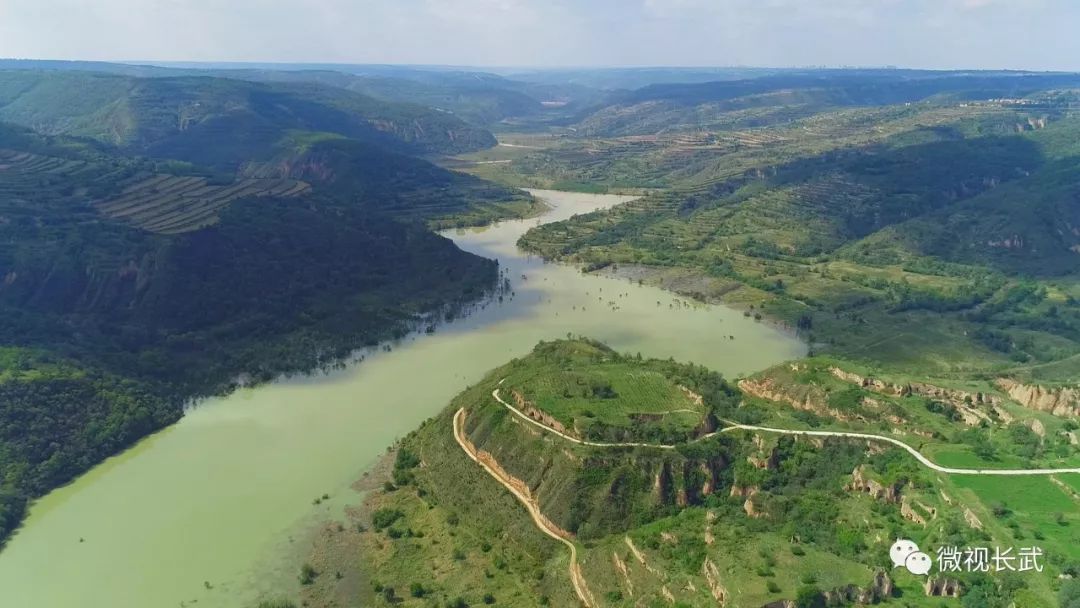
[223, 490]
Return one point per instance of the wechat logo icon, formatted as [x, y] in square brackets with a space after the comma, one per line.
[905, 554]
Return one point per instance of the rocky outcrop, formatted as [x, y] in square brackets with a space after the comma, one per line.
[955, 397]
[753, 506]
[972, 519]
[621, 568]
[530, 410]
[915, 511]
[942, 587]
[880, 588]
[1037, 427]
[766, 388]
[1059, 401]
[769, 460]
[712, 577]
[743, 491]
[861, 482]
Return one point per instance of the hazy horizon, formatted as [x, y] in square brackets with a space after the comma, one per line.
[554, 34]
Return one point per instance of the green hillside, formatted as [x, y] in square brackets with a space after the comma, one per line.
[215, 121]
[743, 518]
[162, 238]
[938, 237]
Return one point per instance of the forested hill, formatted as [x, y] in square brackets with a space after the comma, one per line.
[784, 99]
[475, 97]
[935, 237]
[189, 116]
[162, 238]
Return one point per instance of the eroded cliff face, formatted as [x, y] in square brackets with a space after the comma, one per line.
[767, 388]
[955, 397]
[519, 485]
[861, 482]
[880, 588]
[1059, 401]
[541, 416]
[592, 492]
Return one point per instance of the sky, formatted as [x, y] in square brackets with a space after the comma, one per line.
[972, 34]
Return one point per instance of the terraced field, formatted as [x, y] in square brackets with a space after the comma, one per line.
[169, 204]
[24, 175]
[161, 203]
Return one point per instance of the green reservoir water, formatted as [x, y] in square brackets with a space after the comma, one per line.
[224, 497]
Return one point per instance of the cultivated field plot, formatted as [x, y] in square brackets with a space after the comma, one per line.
[169, 204]
[613, 394]
[24, 175]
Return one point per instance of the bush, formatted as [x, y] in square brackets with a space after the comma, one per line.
[307, 574]
[383, 518]
[809, 597]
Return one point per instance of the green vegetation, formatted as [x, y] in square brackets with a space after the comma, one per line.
[754, 517]
[933, 237]
[593, 395]
[202, 233]
[218, 122]
[959, 424]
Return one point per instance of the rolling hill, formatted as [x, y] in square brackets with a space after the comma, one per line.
[935, 235]
[739, 518]
[215, 121]
[162, 239]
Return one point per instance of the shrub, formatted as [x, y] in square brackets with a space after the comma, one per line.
[307, 574]
[383, 518]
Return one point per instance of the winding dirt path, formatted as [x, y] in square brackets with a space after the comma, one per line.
[576, 577]
[734, 426]
[918, 455]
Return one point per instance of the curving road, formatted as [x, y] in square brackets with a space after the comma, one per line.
[596, 444]
[918, 455]
[734, 426]
[531, 506]
[576, 576]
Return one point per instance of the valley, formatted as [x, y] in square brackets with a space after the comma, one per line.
[332, 336]
[302, 437]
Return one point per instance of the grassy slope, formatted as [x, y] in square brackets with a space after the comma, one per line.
[819, 229]
[608, 394]
[813, 531]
